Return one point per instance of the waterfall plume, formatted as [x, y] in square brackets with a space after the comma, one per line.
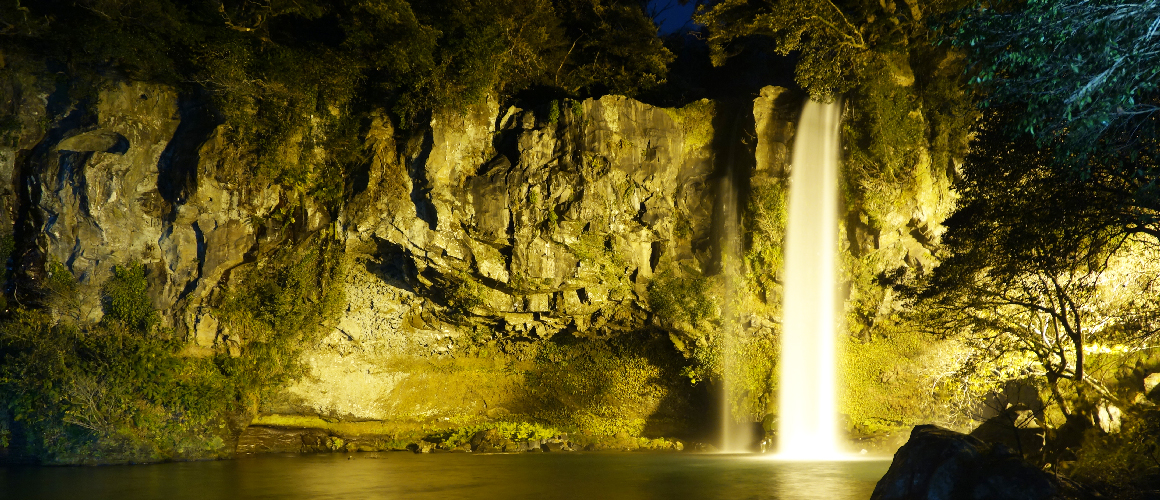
[807, 401]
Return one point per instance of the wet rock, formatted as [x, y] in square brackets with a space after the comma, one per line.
[423, 447]
[557, 444]
[704, 448]
[492, 441]
[268, 439]
[531, 446]
[940, 464]
[1108, 416]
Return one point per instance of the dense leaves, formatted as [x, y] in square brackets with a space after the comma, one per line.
[1081, 70]
[1040, 265]
[833, 41]
[1082, 76]
[420, 55]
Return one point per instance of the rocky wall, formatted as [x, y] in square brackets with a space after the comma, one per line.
[498, 261]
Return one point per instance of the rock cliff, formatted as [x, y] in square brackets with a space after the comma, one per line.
[495, 265]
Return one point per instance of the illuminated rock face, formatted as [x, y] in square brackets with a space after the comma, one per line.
[469, 239]
[539, 227]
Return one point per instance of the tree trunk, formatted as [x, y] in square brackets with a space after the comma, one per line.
[1053, 382]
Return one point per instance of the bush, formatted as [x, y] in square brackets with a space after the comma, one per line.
[1126, 463]
[125, 298]
[107, 393]
[280, 307]
[605, 387]
[123, 390]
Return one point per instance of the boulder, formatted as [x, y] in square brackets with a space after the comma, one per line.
[492, 441]
[422, 446]
[940, 464]
[1150, 383]
[558, 443]
[1014, 428]
[269, 439]
[1108, 417]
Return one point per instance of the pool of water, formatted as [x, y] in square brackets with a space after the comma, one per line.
[402, 475]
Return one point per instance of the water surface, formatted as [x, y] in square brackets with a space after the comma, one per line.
[402, 475]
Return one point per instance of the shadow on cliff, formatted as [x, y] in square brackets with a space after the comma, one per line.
[177, 166]
[66, 117]
[394, 265]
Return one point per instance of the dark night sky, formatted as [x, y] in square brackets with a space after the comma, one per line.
[670, 15]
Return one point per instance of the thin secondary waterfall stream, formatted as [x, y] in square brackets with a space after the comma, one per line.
[735, 438]
[807, 403]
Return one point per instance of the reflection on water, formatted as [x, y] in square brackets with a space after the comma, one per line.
[826, 479]
[451, 476]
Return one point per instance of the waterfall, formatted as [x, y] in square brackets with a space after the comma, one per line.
[734, 438]
[807, 403]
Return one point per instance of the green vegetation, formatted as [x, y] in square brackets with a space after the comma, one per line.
[1078, 70]
[897, 381]
[578, 111]
[598, 258]
[621, 385]
[1050, 279]
[687, 305]
[117, 391]
[765, 230]
[554, 112]
[696, 121]
[755, 373]
[515, 431]
[463, 294]
[279, 308]
[124, 389]
[125, 299]
[1080, 79]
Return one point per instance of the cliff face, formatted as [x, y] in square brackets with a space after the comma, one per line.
[467, 246]
[499, 265]
[495, 231]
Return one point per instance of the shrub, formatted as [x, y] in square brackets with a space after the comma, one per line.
[122, 390]
[125, 298]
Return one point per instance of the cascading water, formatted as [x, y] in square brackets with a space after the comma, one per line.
[807, 403]
[734, 438]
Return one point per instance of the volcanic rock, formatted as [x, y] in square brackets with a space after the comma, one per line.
[940, 464]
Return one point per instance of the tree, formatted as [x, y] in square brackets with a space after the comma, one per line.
[612, 47]
[1080, 70]
[1084, 76]
[834, 41]
[1033, 264]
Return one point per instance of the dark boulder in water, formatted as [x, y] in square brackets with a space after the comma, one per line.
[941, 464]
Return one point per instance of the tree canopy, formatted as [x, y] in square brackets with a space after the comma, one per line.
[411, 56]
[833, 41]
[1031, 263]
[1087, 72]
